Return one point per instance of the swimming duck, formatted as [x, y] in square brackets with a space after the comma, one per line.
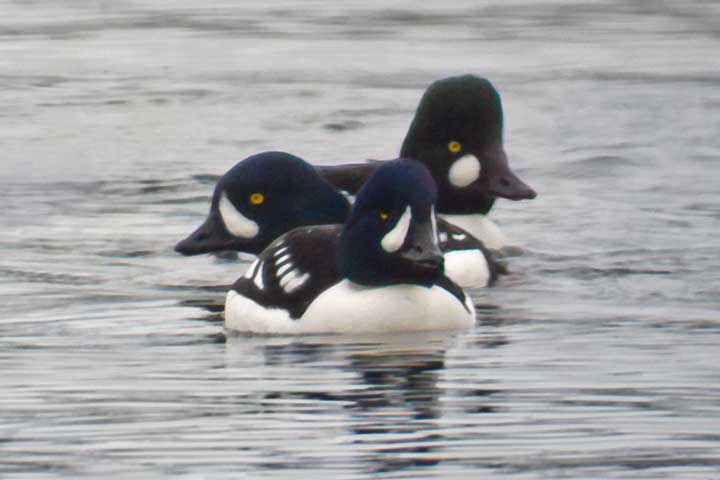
[270, 193]
[259, 199]
[381, 271]
[457, 134]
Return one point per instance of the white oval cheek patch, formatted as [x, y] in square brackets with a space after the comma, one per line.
[464, 171]
[393, 240]
[236, 223]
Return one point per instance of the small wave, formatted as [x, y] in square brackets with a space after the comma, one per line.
[343, 125]
[589, 273]
[206, 178]
[48, 277]
[593, 167]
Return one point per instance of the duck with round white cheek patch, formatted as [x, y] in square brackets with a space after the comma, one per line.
[381, 271]
[457, 133]
[261, 198]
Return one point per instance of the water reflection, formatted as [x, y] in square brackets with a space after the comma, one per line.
[389, 389]
[396, 414]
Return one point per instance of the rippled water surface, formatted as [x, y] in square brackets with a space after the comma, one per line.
[596, 358]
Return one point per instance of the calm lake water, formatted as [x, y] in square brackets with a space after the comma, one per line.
[597, 358]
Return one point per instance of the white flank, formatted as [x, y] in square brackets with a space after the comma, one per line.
[481, 227]
[393, 240]
[459, 236]
[443, 237]
[467, 268]
[464, 171]
[236, 223]
[350, 308]
[245, 315]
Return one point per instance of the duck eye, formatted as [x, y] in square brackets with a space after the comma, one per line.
[384, 215]
[454, 146]
[257, 198]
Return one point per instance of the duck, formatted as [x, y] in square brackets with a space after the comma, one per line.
[260, 198]
[382, 270]
[270, 193]
[457, 133]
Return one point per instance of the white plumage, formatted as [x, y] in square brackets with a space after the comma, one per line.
[236, 223]
[351, 308]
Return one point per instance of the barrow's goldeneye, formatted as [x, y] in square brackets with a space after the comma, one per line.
[381, 271]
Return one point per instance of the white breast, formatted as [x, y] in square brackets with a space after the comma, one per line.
[481, 227]
[350, 308]
[467, 268]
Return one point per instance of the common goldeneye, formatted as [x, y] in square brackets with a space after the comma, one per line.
[457, 133]
[381, 271]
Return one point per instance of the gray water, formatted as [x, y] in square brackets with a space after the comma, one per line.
[596, 358]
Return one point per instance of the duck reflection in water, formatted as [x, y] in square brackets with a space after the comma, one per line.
[390, 388]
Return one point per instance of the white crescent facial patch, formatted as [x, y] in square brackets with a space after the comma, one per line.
[393, 240]
[433, 220]
[464, 171]
[236, 223]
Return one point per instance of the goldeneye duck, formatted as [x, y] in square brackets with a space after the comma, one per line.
[259, 199]
[270, 193]
[381, 271]
[457, 134]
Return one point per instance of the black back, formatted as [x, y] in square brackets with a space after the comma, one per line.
[311, 250]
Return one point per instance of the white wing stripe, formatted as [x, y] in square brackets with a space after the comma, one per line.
[295, 282]
[258, 280]
[281, 271]
[251, 269]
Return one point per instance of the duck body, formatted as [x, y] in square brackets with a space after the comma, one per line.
[294, 287]
[381, 271]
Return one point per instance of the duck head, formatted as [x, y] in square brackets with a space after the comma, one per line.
[261, 198]
[457, 133]
[391, 234]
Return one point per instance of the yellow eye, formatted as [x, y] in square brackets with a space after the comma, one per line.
[384, 215]
[257, 198]
[454, 146]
